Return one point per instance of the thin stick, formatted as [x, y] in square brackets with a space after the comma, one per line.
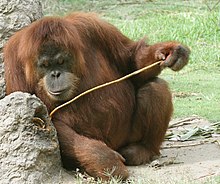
[183, 146]
[104, 85]
[183, 122]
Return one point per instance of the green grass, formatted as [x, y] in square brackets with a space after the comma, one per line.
[195, 23]
[200, 94]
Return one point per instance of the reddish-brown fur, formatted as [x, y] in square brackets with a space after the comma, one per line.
[128, 119]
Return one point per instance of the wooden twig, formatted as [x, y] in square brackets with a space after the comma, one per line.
[183, 146]
[205, 176]
[39, 122]
[193, 144]
[182, 122]
[104, 85]
[179, 123]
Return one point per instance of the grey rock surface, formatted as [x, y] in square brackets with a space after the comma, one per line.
[14, 15]
[29, 151]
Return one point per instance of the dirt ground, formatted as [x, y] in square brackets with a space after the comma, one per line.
[189, 161]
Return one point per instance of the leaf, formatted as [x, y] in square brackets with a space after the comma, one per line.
[189, 134]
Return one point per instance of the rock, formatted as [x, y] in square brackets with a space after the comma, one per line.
[14, 15]
[29, 153]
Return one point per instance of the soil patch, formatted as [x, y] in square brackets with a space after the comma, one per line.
[190, 153]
